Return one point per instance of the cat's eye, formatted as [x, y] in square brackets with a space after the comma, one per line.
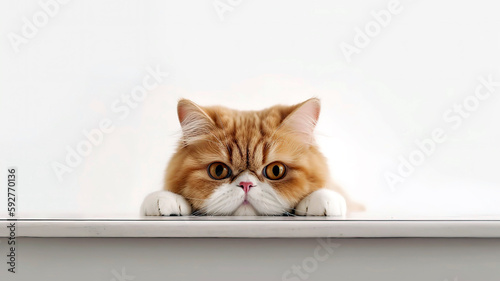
[219, 171]
[275, 171]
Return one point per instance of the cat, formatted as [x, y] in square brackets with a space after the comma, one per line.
[243, 163]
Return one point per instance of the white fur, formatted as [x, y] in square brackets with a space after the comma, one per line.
[228, 199]
[322, 202]
[165, 203]
[245, 210]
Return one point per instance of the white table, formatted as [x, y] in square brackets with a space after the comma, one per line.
[257, 248]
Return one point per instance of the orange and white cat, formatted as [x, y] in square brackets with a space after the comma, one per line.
[231, 162]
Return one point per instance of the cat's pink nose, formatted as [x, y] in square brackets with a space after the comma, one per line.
[246, 185]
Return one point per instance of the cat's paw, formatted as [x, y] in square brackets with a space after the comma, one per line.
[322, 202]
[165, 203]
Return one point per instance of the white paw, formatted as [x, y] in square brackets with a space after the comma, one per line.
[322, 202]
[165, 203]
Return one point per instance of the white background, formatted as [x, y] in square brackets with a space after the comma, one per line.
[392, 93]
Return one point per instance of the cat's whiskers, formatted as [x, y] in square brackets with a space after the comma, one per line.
[275, 197]
[218, 205]
[198, 213]
[264, 200]
[268, 209]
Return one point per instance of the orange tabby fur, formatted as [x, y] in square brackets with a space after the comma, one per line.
[246, 140]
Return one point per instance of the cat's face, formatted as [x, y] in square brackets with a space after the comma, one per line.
[246, 162]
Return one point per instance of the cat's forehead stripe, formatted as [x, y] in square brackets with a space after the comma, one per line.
[248, 138]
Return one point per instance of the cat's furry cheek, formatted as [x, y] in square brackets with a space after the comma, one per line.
[267, 201]
[224, 200]
[322, 202]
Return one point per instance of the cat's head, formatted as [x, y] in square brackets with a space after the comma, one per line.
[233, 162]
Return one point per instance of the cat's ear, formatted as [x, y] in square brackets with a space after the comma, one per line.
[195, 122]
[302, 120]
